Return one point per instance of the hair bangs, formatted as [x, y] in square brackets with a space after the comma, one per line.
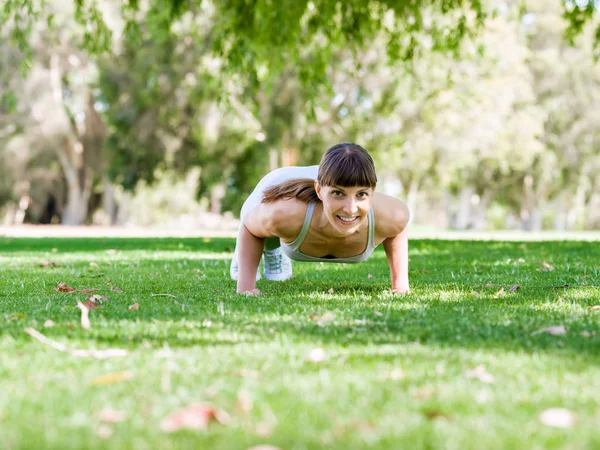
[347, 166]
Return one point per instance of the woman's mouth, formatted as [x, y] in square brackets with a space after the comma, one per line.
[347, 220]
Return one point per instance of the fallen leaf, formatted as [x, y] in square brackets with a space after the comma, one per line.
[63, 287]
[316, 355]
[98, 298]
[514, 288]
[116, 289]
[499, 293]
[112, 415]
[134, 307]
[88, 291]
[330, 291]
[555, 330]
[49, 324]
[85, 320]
[481, 374]
[194, 417]
[94, 265]
[488, 285]
[594, 308]
[424, 393]
[558, 418]
[395, 374]
[111, 378]
[325, 319]
[433, 414]
[99, 354]
[475, 293]
[370, 276]
[545, 267]
[46, 264]
[264, 429]
[91, 305]
[103, 431]
[244, 402]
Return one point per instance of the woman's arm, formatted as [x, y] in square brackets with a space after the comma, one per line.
[249, 250]
[396, 251]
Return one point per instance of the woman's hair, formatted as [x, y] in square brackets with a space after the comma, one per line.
[344, 165]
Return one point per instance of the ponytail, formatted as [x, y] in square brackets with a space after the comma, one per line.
[301, 189]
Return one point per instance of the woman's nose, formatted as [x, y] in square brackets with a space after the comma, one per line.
[350, 206]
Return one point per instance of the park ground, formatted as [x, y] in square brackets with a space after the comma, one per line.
[497, 347]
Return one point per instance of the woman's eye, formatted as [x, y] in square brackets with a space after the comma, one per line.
[337, 193]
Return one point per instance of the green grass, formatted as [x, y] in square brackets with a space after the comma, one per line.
[204, 343]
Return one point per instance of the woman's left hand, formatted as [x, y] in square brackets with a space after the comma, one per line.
[401, 290]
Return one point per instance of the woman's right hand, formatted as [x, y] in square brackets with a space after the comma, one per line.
[251, 292]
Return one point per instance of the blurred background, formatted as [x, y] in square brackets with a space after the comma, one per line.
[481, 116]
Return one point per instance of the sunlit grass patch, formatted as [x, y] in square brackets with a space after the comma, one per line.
[327, 359]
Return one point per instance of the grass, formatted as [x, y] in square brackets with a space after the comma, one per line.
[394, 373]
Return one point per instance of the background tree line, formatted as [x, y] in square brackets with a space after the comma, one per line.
[481, 114]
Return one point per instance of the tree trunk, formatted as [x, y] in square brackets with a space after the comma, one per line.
[76, 209]
[479, 220]
[462, 219]
[108, 200]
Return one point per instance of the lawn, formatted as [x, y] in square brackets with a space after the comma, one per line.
[328, 359]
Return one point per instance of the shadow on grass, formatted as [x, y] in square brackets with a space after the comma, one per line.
[441, 312]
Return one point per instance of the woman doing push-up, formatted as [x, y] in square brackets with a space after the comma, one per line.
[325, 213]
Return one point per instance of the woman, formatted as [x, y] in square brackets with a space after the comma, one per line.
[327, 213]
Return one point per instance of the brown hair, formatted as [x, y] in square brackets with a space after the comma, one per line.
[344, 165]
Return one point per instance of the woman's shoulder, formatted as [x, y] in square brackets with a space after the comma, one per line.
[391, 215]
[285, 216]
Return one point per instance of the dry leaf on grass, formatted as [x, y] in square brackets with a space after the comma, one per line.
[46, 264]
[99, 354]
[111, 378]
[194, 417]
[64, 287]
[331, 291]
[98, 298]
[103, 431]
[481, 374]
[134, 307]
[325, 319]
[545, 267]
[394, 374]
[370, 276]
[594, 308]
[488, 285]
[94, 265]
[499, 293]
[88, 291]
[49, 324]
[112, 415]
[116, 289]
[558, 418]
[475, 293]
[514, 288]
[555, 330]
[264, 429]
[85, 320]
[316, 355]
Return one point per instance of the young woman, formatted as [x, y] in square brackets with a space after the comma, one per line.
[328, 213]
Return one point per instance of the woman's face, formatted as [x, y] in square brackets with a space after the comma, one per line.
[346, 208]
